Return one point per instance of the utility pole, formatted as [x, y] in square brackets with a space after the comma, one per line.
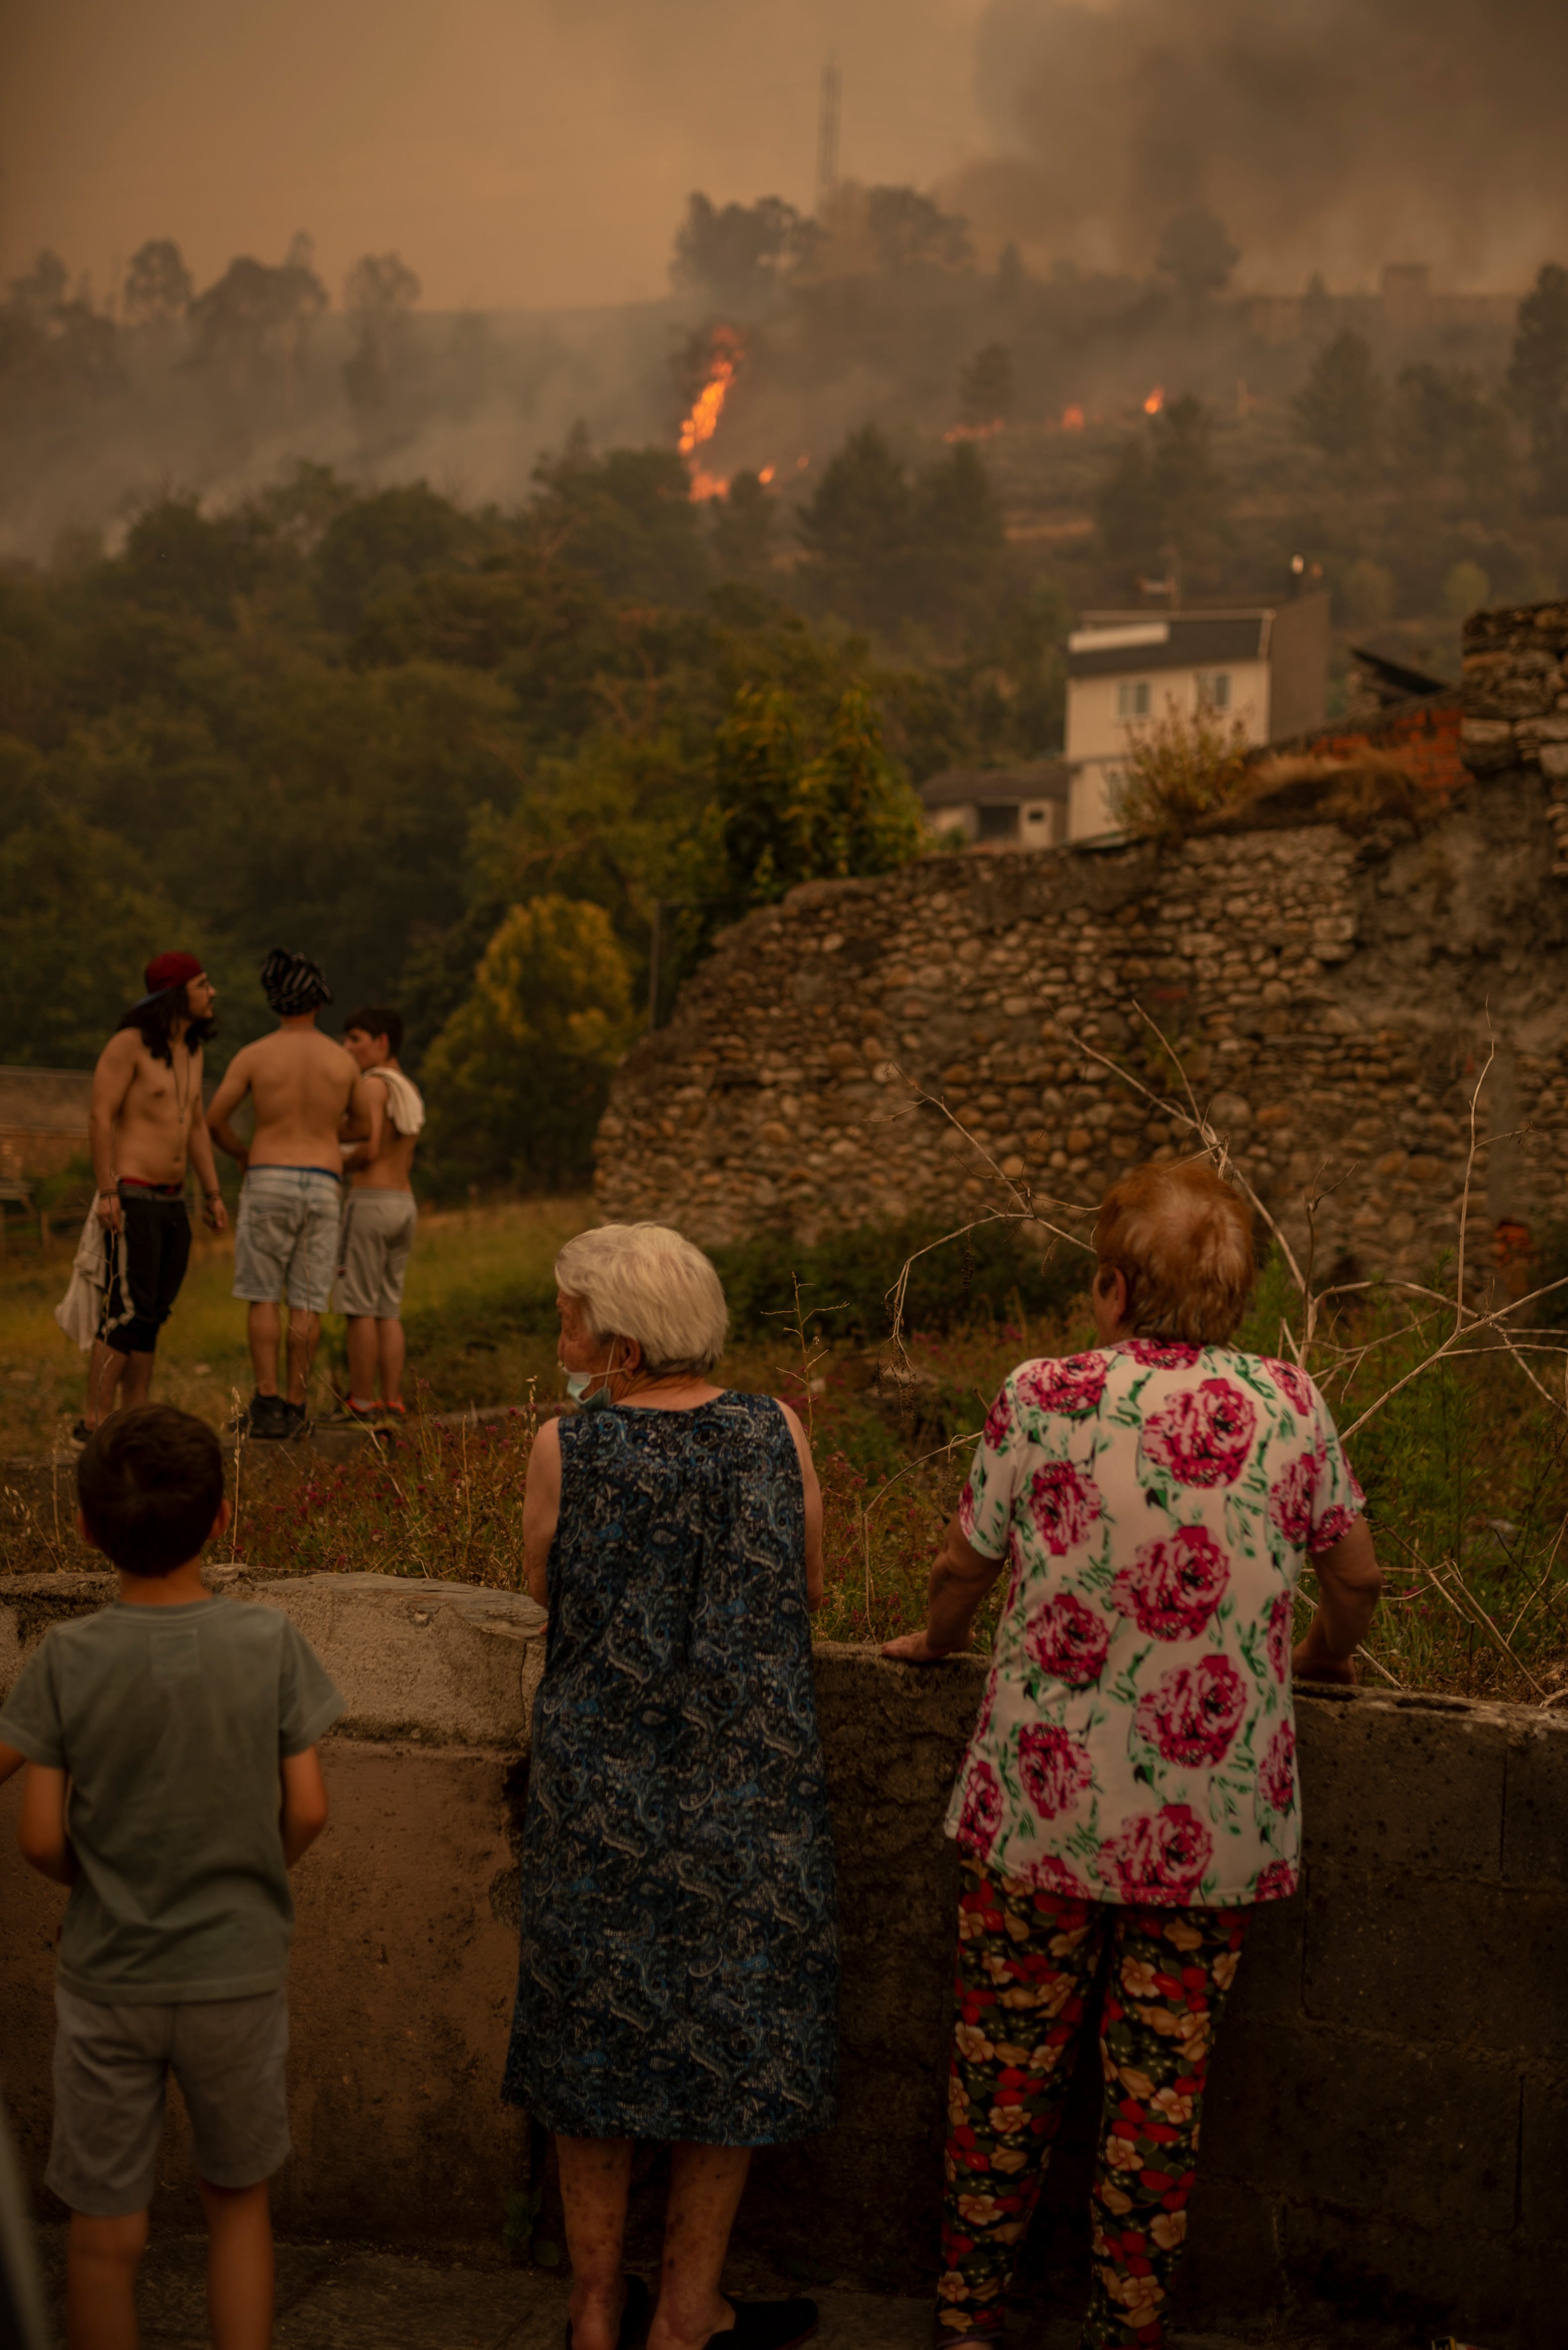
[827, 136]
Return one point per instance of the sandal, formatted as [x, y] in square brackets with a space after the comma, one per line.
[768, 2325]
[634, 2317]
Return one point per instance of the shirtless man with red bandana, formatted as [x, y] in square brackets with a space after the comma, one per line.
[146, 1123]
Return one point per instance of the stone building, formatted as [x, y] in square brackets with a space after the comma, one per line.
[1332, 972]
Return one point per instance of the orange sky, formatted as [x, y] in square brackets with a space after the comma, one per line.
[514, 151]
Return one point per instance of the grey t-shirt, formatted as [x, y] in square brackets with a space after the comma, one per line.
[171, 1722]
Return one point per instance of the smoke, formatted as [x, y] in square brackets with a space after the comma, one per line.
[1329, 135]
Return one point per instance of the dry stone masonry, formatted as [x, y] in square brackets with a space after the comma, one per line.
[1332, 994]
[1516, 703]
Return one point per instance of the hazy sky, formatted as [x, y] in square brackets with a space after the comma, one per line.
[541, 151]
[534, 152]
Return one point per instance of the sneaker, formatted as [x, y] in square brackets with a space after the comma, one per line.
[298, 1421]
[267, 1419]
[81, 1432]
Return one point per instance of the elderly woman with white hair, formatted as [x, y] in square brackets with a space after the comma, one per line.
[679, 1978]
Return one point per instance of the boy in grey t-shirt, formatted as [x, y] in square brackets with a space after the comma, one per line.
[173, 1781]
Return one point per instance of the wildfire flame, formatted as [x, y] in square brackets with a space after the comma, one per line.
[1154, 401]
[703, 422]
[1073, 419]
[765, 476]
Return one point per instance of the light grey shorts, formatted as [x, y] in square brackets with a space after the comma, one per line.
[373, 1252]
[285, 1236]
[111, 2066]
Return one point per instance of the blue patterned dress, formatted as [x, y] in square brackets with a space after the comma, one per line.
[679, 1976]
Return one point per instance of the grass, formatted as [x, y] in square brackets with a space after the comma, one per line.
[464, 1260]
[1466, 1469]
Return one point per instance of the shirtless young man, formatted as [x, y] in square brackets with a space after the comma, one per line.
[302, 1085]
[379, 1220]
[145, 1121]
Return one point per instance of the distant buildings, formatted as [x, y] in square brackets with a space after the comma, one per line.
[1266, 665]
[1001, 807]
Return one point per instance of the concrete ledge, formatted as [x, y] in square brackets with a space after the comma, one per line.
[428, 1663]
[1388, 2118]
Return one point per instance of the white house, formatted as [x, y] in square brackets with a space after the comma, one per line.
[1266, 665]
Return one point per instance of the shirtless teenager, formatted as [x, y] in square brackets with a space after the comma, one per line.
[145, 1122]
[379, 1220]
[286, 1237]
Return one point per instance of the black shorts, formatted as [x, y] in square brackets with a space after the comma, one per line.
[157, 1251]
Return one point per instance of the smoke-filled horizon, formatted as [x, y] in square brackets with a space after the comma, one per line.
[538, 155]
[1328, 135]
[518, 153]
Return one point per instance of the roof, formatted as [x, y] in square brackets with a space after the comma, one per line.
[1041, 779]
[1121, 644]
[1392, 680]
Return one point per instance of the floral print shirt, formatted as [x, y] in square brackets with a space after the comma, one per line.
[1136, 1741]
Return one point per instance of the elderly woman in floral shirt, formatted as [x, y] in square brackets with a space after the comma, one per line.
[1132, 1775]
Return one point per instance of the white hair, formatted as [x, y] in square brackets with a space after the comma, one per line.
[647, 1282]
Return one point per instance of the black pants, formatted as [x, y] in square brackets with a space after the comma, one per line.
[157, 1251]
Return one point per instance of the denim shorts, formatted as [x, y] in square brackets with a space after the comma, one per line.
[373, 1252]
[286, 1237]
[111, 2071]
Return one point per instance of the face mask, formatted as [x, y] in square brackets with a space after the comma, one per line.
[579, 1382]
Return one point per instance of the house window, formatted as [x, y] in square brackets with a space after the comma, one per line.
[1214, 688]
[1132, 697]
[999, 823]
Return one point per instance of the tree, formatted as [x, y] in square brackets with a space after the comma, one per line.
[985, 387]
[83, 907]
[910, 232]
[1197, 255]
[518, 1078]
[254, 320]
[625, 519]
[1442, 424]
[854, 814]
[158, 288]
[1012, 277]
[858, 530]
[959, 540]
[744, 527]
[783, 817]
[737, 253]
[1165, 495]
[1339, 409]
[378, 545]
[1538, 380]
[378, 293]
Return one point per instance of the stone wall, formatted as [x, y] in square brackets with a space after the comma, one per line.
[1329, 993]
[1389, 2116]
[1516, 703]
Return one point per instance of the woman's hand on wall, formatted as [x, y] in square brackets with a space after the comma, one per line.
[1349, 1583]
[960, 1577]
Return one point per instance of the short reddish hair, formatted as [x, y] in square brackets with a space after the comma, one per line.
[1182, 1241]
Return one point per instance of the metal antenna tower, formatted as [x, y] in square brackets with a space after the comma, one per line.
[827, 135]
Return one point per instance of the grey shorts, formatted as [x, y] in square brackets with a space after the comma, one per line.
[373, 1248]
[286, 1237]
[112, 2064]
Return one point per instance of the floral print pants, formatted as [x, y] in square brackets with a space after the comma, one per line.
[1027, 1961]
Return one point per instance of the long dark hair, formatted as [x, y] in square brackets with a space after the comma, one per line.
[154, 1021]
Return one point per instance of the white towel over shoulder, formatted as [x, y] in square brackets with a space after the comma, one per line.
[405, 1105]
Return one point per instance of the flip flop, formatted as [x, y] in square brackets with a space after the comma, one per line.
[635, 2318]
[768, 2325]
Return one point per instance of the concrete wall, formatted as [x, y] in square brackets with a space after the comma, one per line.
[1389, 2117]
[1332, 993]
[405, 1951]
